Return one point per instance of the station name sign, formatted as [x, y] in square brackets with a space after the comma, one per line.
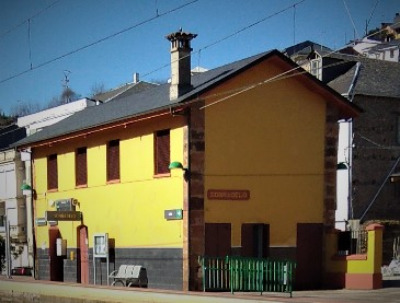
[63, 215]
[228, 194]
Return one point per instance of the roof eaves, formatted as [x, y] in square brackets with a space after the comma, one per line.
[32, 142]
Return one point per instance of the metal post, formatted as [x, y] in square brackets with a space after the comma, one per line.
[94, 269]
[8, 250]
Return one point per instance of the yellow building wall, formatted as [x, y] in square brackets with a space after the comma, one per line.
[268, 140]
[131, 211]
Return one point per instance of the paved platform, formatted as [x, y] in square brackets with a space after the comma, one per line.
[21, 289]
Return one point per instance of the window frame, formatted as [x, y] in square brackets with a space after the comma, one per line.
[81, 171]
[113, 166]
[316, 68]
[162, 152]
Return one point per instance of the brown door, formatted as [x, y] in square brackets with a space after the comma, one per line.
[218, 239]
[255, 240]
[56, 262]
[309, 256]
[83, 255]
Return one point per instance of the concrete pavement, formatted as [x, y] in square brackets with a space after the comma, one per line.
[20, 289]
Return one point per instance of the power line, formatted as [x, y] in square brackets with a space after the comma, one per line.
[28, 20]
[370, 17]
[253, 24]
[351, 18]
[227, 37]
[98, 41]
[281, 76]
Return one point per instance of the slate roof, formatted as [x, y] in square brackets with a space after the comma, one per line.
[386, 45]
[124, 90]
[10, 135]
[304, 48]
[148, 101]
[376, 77]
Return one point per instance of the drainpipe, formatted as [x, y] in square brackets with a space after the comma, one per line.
[350, 96]
[32, 214]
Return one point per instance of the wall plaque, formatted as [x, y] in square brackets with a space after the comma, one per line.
[63, 215]
[228, 194]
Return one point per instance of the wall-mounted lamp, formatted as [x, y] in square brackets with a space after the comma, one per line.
[26, 189]
[178, 165]
[342, 166]
[175, 165]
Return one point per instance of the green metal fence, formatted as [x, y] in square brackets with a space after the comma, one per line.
[233, 273]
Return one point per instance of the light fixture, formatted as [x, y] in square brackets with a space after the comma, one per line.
[26, 189]
[342, 165]
[175, 165]
[25, 186]
[178, 165]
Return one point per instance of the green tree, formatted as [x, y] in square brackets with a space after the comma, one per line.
[24, 108]
[97, 88]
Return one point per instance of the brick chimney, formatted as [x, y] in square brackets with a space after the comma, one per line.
[180, 63]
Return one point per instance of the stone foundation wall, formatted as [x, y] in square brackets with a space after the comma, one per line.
[163, 265]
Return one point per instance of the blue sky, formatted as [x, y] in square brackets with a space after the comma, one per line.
[35, 54]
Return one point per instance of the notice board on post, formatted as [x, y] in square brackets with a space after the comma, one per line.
[100, 250]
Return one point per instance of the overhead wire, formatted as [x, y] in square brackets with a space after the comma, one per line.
[282, 76]
[277, 77]
[226, 37]
[28, 19]
[254, 24]
[158, 15]
[351, 18]
[370, 16]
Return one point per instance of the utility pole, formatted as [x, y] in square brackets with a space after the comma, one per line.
[66, 87]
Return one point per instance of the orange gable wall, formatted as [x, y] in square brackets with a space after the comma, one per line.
[268, 140]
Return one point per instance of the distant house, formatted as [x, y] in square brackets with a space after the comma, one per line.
[12, 204]
[369, 148]
[15, 172]
[230, 161]
[383, 45]
[373, 85]
[389, 51]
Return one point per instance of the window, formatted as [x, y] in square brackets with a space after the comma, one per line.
[316, 69]
[52, 172]
[113, 160]
[392, 53]
[81, 166]
[161, 152]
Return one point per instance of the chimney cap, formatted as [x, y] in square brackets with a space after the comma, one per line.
[181, 35]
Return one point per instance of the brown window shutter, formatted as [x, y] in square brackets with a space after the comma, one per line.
[52, 172]
[162, 152]
[81, 166]
[217, 239]
[113, 160]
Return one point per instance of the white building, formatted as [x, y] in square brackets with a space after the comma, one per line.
[15, 171]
